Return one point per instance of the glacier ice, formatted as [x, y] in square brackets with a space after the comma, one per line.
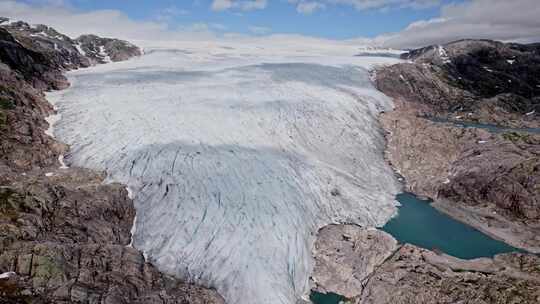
[235, 157]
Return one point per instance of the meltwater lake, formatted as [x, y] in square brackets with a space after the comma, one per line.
[422, 225]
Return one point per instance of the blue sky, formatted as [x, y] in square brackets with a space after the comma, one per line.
[386, 23]
[335, 20]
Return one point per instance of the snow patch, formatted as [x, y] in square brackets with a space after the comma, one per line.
[132, 231]
[63, 165]
[443, 55]
[103, 54]
[49, 174]
[134, 226]
[52, 120]
[7, 275]
[511, 61]
[79, 48]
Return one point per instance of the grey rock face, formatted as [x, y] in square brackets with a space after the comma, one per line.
[345, 255]
[409, 274]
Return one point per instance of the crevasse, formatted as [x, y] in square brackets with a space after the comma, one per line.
[234, 160]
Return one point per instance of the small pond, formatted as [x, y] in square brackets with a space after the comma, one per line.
[330, 298]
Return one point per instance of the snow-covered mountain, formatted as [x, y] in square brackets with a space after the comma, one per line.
[236, 156]
[67, 53]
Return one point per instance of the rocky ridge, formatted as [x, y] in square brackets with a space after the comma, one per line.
[66, 53]
[484, 175]
[64, 234]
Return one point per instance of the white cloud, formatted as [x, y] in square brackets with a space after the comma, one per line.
[309, 7]
[259, 30]
[244, 5]
[221, 5]
[107, 23]
[170, 13]
[479, 19]
[387, 4]
[203, 27]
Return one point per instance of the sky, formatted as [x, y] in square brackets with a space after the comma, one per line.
[391, 23]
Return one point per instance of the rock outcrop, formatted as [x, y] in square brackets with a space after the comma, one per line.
[385, 272]
[487, 177]
[345, 256]
[64, 234]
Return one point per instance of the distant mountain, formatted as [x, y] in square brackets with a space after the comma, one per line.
[67, 53]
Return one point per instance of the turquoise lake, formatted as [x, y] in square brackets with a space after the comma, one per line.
[321, 298]
[422, 225]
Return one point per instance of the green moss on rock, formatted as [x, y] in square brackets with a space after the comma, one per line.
[3, 119]
[46, 271]
[9, 200]
[6, 103]
[516, 137]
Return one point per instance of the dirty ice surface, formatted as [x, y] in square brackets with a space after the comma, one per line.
[236, 154]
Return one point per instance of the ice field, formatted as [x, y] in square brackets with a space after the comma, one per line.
[236, 155]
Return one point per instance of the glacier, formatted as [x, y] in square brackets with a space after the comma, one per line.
[235, 154]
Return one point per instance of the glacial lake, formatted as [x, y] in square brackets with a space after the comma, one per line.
[420, 224]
